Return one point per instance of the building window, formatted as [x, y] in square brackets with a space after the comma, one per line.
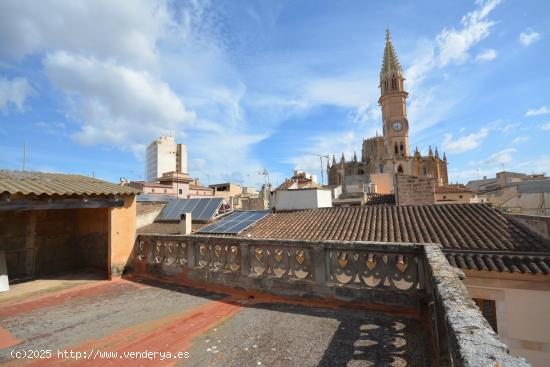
[181, 191]
[400, 169]
[489, 311]
[460, 196]
[444, 197]
[165, 191]
[152, 190]
[395, 148]
[401, 147]
[381, 167]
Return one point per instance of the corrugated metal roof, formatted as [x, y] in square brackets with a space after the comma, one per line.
[39, 183]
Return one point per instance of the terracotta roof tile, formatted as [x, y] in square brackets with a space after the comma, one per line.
[39, 183]
[474, 236]
[460, 226]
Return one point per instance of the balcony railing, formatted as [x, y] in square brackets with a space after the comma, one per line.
[408, 275]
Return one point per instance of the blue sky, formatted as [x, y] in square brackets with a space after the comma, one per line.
[249, 85]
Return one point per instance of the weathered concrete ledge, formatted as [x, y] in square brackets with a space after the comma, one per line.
[463, 336]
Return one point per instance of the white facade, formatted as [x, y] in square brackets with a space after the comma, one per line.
[301, 199]
[164, 155]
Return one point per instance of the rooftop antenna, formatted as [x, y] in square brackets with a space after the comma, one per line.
[265, 173]
[24, 153]
[321, 160]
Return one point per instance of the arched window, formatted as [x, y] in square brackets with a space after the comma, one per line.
[396, 151]
[400, 169]
[401, 147]
[381, 167]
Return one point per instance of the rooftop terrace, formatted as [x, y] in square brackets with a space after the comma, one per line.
[216, 329]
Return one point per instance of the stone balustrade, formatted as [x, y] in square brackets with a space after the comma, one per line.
[406, 275]
[393, 274]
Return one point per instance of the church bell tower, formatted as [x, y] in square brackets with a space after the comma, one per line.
[393, 101]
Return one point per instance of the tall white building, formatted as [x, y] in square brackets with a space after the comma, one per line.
[164, 155]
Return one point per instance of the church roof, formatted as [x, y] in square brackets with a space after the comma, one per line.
[391, 64]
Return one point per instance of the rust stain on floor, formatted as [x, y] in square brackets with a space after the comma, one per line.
[13, 308]
[170, 334]
[6, 339]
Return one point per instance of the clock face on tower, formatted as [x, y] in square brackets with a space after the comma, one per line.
[397, 125]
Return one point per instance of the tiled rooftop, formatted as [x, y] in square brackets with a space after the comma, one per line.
[39, 183]
[459, 227]
[473, 236]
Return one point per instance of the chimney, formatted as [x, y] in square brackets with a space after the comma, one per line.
[185, 223]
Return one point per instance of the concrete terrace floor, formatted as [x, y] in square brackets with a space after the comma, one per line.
[215, 329]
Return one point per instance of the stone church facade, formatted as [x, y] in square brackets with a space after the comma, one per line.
[390, 153]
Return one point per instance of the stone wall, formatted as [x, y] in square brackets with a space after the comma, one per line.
[535, 223]
[412, 190]
[43, 242]
[147, 212]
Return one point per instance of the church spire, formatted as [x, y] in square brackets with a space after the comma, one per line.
[390, 65]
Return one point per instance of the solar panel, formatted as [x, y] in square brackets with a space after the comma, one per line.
[235, 222]
[201, 209]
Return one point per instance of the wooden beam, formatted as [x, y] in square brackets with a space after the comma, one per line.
[18, 205]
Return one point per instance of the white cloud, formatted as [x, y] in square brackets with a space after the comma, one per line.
[538, 165]
[487, 55]
[451, 46]
[307, 159]
[339, 91]
[464, 143]
[125, 31]
[528, 37]
[454, 44]
[502, 157]
[545, 126]
[114, 103]
[505, 129]
[14, 92]
[520, 139]
[536, 112]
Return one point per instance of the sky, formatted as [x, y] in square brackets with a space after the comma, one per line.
[254, 85]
